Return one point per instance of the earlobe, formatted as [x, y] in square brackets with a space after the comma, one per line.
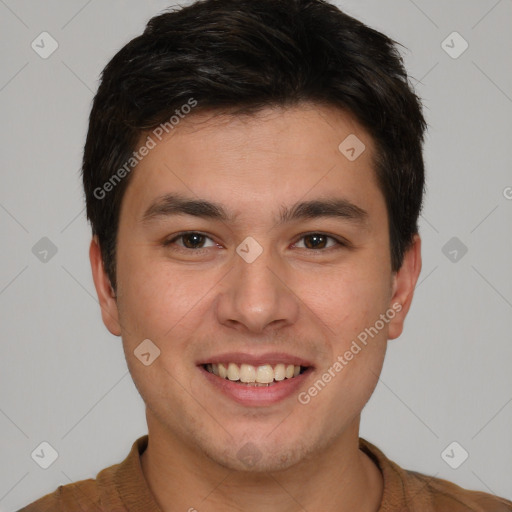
[106, 295]
[404, 283]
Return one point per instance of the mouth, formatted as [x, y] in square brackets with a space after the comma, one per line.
[254, 381]
[263, 375]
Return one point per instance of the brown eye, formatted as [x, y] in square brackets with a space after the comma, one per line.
[190, 240]
[319, 241]
[315, 241]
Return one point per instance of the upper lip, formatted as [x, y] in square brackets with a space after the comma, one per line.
[271, 358]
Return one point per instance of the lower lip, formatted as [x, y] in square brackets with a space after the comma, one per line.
[257, 395]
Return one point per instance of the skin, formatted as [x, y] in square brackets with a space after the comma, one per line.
[311, 302]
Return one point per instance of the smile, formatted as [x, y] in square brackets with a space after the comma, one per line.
[251, 375]
[256, 380]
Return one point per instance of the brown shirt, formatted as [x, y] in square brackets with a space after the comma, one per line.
[122, 488]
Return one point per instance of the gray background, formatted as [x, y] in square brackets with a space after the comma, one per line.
[63, 377]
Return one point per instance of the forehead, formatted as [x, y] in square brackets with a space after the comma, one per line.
[307, 131]
[274, 156]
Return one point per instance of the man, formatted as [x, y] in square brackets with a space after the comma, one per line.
[253, 175]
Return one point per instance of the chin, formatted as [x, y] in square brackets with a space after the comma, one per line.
[251, 454]
[251, 458]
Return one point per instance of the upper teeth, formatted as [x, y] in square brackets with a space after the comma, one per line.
[263, 374]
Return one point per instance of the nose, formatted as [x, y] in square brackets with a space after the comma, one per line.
[255, 297]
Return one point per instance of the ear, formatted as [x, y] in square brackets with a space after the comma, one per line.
[404, 283]
[106, 295]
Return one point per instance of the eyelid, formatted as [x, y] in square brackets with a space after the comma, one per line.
[339, 241]
[176, 236]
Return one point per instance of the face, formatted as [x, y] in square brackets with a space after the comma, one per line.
[282, 274]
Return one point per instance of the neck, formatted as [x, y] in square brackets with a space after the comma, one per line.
[340, 479]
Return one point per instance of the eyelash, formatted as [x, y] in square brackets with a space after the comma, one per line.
[340, 243]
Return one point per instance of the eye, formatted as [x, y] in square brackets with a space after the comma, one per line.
[319, 241]
[196, 241]
[190, 240]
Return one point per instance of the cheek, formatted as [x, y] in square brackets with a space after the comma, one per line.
[350, 303]
[154, 298]
[347, 299]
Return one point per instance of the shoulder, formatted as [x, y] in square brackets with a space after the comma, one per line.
[103, 493]
[410, 491]
[83, 494]
[447, 496]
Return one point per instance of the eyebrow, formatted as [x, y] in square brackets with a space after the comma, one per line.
[176, 204]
